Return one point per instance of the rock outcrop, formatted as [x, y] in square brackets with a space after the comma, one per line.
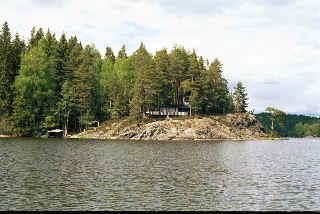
[230, 126]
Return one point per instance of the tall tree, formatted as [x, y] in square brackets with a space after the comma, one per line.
[52, 44]
[141, 62]
[35, 87]
[84, 82]
[195, 84]
[240, 98]
[162, 79]
[62, 68]
[67, 106]
[110, 54]
[7, 72]
[125, 78]
[179, 64]
[36, 36]
[276, 116]
[215, 90]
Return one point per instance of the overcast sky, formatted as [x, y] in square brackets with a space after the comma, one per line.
[272, 46]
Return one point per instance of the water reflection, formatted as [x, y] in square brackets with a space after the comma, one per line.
[118, 175]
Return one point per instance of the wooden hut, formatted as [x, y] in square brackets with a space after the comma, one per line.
[169, 111]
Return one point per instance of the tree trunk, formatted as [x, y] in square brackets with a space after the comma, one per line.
[65, 128]
[177, 91]
[66, 124]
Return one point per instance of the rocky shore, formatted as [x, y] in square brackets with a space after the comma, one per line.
[228, 127]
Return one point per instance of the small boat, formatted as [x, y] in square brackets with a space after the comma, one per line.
[55, 133]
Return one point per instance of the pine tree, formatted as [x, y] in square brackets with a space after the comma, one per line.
[162, 79]
[62, 69]
[240, 98]
[179, 64]
[195, 84]
[141, 62]
[52, 44]
[39, 35]
[84, 84]
[7, 72]
[35, 37]
[32, 41]
[216, 93]
[122, 53]
[67, 106]
[110, 54]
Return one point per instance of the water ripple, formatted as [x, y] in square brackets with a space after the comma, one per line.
[51, 174]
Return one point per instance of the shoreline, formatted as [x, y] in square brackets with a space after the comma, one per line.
[236, 127]
[229, 127]
[179, 139]
[164, 140]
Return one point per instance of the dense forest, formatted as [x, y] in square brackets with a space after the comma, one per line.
[291, 125]
[51, 83]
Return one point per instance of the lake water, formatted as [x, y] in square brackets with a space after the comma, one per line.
[53, 174]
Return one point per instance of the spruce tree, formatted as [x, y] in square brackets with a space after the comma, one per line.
[35, 37]
[62, 68]
[52, 46]
[216, 93]
[7, 72]
[240, 98]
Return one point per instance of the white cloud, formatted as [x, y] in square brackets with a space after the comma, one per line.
[272, 46]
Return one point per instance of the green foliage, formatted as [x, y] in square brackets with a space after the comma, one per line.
[292, 125]
[142, 64]
[276, 117]
[122, 53]
[240, 98]
[307, 130]
[49, 83]
[85, 82]
[35, 88]
[110, 55]
[162, 81]
[10, 52]
[215, 89]
[179, 65]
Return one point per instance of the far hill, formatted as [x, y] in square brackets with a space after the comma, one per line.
[290, 120]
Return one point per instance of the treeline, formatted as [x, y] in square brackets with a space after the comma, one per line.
[291, 125]
[57, 83]
[307, 130]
